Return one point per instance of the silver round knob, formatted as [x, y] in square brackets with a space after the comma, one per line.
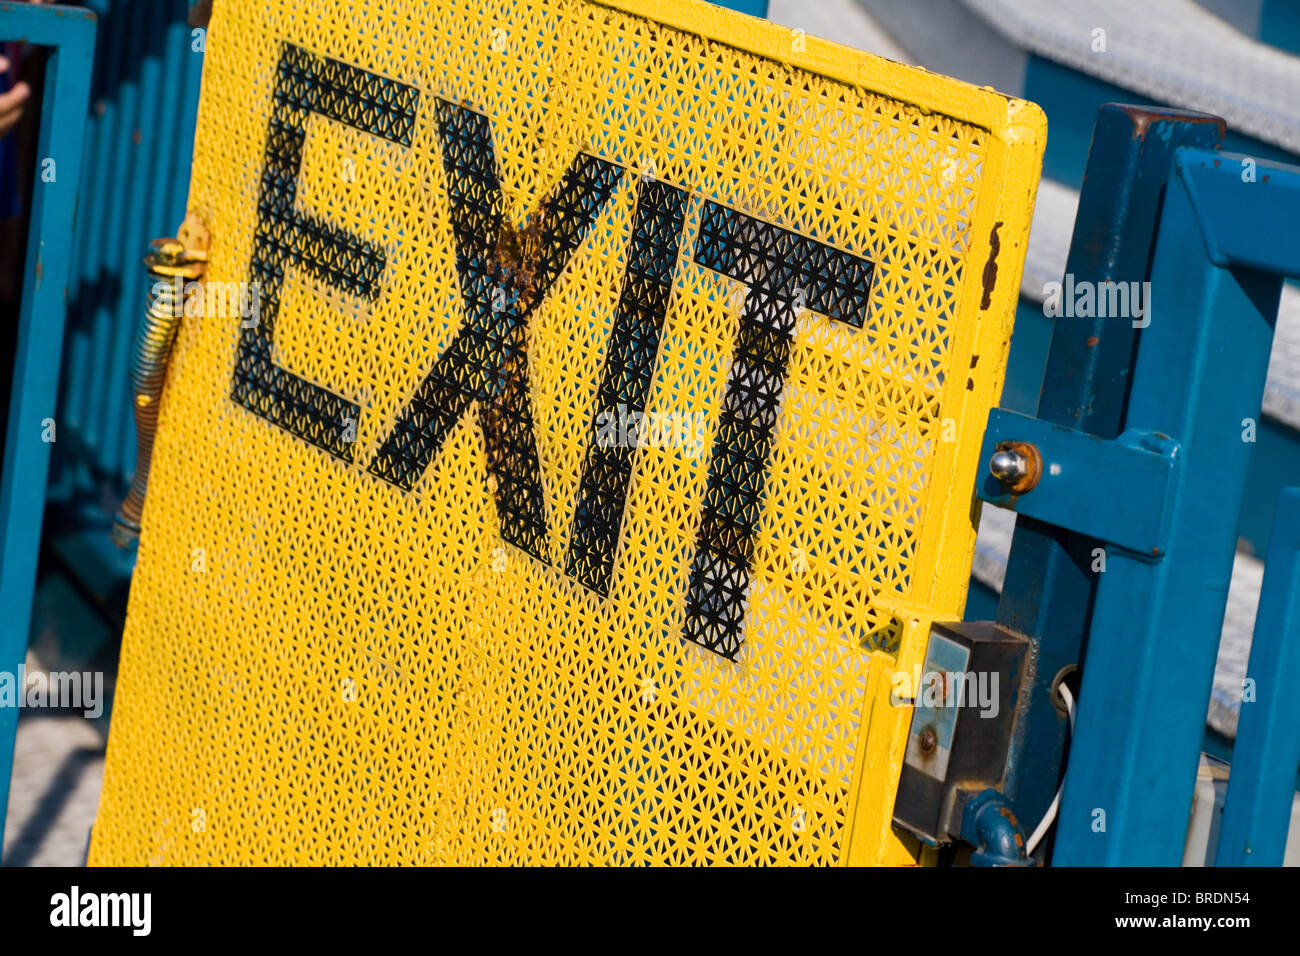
[1008, 466]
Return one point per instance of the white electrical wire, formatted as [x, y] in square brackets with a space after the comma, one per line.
[1045, 824]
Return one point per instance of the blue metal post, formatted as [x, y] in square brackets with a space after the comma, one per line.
[1261, 786]
[1050, 583]
[95, 233]
[104, 417]
[1225, 240]
[755, 8]
[70, 32]
[175, 103]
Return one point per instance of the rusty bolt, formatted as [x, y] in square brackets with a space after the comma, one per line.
[929, 741]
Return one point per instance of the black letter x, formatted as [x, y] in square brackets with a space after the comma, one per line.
[504, 273]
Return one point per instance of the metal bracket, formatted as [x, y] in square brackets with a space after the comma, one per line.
[1114, 490]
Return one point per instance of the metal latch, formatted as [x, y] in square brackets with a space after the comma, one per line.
[966, 699]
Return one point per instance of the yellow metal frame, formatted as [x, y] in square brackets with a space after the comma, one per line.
[472, 665]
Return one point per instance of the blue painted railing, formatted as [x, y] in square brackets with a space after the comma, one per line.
[69, 32]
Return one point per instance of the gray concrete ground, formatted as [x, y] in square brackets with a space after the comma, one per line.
[54, 793]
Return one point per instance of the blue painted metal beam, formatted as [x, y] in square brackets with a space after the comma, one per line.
[755, 8]
[70, 33]
[1050, 584]
[1114, 490]
[1261, 786]
[1235, 219]
[1155, 628]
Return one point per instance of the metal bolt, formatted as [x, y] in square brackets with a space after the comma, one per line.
[1009, 466]
[929, 741]
[1017, 465]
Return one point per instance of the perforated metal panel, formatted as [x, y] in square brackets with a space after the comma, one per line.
[605, 441]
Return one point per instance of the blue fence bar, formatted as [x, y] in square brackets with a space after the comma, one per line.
[1050, 584]
[1215, 283]
[70, 33]
[755, 8]
[1261, 786]
[139, 136]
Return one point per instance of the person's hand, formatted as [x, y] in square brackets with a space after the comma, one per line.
[11, 103]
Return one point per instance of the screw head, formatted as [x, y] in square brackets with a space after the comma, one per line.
[1017, 465]
[1008, 466]
[929, 741]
